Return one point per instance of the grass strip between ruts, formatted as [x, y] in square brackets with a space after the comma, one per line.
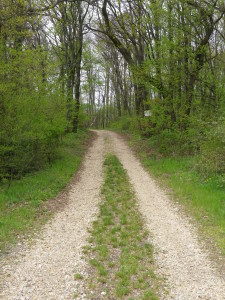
[119, 253]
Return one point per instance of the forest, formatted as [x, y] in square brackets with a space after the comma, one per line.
[147, 66]
[112, 149]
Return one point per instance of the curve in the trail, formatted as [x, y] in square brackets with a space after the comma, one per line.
[179, 256]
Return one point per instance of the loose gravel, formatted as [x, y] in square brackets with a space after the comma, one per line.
[46, 269]
[179, 256]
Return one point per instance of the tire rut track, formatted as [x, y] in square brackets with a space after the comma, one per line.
[46, 269]
[190, 273]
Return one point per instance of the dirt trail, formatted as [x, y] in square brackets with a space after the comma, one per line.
[46, 270]
[189, 272]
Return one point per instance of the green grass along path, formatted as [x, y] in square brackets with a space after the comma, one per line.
[174, 239]
[203, 197]
[22, 205]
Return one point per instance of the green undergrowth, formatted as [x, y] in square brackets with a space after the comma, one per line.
[203, 195]
[120, 256]
[21, 204]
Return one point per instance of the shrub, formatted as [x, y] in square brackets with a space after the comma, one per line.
[125, 123]
[175, 140]
[30, 130]
[212, 151]
[167, 142]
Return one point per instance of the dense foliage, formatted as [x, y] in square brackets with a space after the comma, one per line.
[34, 107]
[166, 58]
[93, 62]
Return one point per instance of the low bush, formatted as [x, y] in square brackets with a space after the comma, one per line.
[212, 152]
[30, 135]
[125, 123]
[24, 156]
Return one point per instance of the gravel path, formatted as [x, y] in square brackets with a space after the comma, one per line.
[179, 256]
[46, 270]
